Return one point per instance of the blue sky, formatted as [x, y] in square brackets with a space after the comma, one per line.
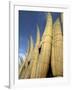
[28, 21]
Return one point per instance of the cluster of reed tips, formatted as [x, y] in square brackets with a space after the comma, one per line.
[47, 51]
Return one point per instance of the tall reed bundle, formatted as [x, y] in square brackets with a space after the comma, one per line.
[35, 55]
[44, 58]
[27, 61]
[57, 50]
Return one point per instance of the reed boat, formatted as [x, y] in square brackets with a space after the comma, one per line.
[44, 56]
[57, 50]
[27, 61]
[35, 55]
[24, 64]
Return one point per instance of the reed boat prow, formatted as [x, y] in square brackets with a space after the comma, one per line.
[48, 28]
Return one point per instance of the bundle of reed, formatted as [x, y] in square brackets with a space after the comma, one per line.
[44, 57]
[27, 61]
[35, 55]
[57, 50]
[29, 64]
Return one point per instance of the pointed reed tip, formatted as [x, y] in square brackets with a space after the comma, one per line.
[57, 21]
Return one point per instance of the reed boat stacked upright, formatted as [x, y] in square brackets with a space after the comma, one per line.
[27, 61]
[35, 55]
[57, 50]
[44, 57]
